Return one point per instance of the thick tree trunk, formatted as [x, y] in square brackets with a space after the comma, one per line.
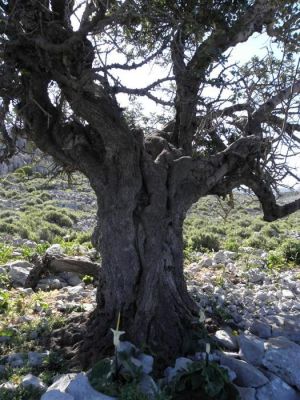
[139, 235]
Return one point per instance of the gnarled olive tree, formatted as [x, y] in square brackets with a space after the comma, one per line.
[63, 97]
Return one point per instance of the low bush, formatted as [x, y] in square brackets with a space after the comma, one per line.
[7, 228]
[256, 240]
[231, 245]
[58, 218]
[200, 241]
[276, 260]
[291, 250]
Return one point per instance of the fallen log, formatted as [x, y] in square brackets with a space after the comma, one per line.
[56, 264]
[79, 265]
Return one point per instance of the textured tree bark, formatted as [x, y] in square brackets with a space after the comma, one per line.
[139, 235]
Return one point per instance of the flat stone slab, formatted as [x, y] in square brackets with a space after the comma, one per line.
[282, 357]
[247, 374]
[252, 348]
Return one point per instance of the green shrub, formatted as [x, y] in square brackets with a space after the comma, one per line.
[276, 260]
[7, 228]
[245, 223]
[25, 171]
[20, 393]
[241, 233]
[273, 243]
[204, 381]
[270, 231]
[199, 241]
[291, 250]
[58, 218]
[45, 196]
[231, 245]
[256, 240]
[49, 232]
[6, 214]
[257, 225]
[84, 237]
[218, 229]
[24, 231]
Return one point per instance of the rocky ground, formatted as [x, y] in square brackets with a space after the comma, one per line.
[252, 315]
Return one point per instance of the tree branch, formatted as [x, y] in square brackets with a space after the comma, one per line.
[261, 114]
[258, 15]
[263, 191]
[192, 178]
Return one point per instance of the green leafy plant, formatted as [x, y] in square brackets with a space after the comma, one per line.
[102, 377]
[276, 260]
[231, 245]
[203, 380]
[87, 279]
[5, 253]
[4, 301]
[291, 250]
[5, 281]
[21, 393]
[199, 241]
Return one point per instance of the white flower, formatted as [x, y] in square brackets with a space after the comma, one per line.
[116, 338]
[207, 348]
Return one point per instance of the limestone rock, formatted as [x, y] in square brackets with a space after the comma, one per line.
[277, 389]
[251, 348]
[35, 359]
[56, 395]
[55, 250]
[18, 272]
[81, 389]
[50, 283]
[34, 381]
[226, 339]
[247, 374]
[181, 364]
[246, 393]
[282, 357]
[15, 360]
[73, 387]
[206, 262]
[261, 329]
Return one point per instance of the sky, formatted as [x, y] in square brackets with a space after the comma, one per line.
[255, 46]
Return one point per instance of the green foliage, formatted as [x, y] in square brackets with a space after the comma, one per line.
[87, 279]
[21, 393]
[102, 377]
[4, 300]
[26, 171]
[28, 252]
[207, 380]
[7, 228]
[231, 245]
[276, 260]
[257, 241]
[58, 218]
[5, 253]
[202, 241]
[291, 250]
[5, 281]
